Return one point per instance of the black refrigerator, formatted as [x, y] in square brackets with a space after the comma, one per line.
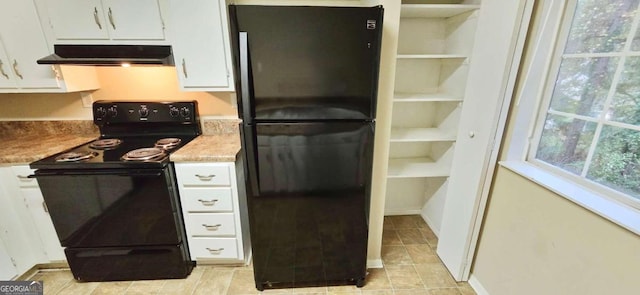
[307, 79]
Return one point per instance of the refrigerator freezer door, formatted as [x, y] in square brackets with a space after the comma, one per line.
[311, 63]
[309, 220]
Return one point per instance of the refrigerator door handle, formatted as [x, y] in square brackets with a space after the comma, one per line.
[245, 75]
[252, 162]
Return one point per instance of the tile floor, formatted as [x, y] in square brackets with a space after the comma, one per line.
[408, 254]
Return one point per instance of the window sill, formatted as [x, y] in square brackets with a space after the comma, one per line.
[611, 210]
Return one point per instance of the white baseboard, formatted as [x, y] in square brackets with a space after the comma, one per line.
[475, 284]
[374, 263]
[393, 212]
[431, 224]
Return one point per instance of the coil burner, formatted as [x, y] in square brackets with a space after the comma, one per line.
[145, 155]
[168, 143]
[105, 144]
[76, 156]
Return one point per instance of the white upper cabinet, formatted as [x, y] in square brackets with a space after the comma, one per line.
[134, 20]
[22, 42]
[109, 21]
[200, 40]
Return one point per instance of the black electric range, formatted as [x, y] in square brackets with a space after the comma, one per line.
[114, 201]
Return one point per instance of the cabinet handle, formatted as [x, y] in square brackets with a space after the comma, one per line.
[23, 178]
[44, 206]
[208, 203]
[113, 24]
[205, 177]
[215, 251]
[15, 69]
[2, 70]
[95, 17]
[212, 227]
[184, 68]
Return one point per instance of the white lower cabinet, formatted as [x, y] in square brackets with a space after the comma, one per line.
[214, 248]
[213, 212]
[39, 213]
[212, 224]
[26, 230]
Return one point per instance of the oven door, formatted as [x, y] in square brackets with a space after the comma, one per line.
[111, 207]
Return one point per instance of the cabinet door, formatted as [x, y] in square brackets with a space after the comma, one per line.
[24, 43]
[7, 269]
[73, 20]
[6, 76]
[199, 47]
[134, 20]
[44, 225]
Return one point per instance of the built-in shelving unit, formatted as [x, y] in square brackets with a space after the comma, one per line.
[434, 46]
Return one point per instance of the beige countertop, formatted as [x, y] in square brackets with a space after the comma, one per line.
[209, 148]
[205, 148]
[28, 141]
[28, 148]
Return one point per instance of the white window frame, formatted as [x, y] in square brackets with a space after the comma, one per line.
[529, 112]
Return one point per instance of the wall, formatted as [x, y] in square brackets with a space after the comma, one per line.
[134, 83]
[536, 242]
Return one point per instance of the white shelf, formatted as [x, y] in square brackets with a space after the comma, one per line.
[431, 56]
[435, 10]
[417, 167]
[421, 135]
[426, 97]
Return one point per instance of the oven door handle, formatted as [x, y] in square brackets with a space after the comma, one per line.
[99, 173]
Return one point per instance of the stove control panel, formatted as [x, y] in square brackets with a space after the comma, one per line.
[114, 112]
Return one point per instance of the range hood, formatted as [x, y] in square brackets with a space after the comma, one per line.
[109, 55]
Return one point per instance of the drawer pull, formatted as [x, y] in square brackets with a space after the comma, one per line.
[215, 251]
[208, 203]
[205, 177]
[212, 227]
[23, 178]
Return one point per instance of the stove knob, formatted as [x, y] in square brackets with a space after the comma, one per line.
[112, 111]
[100, 112]
[174, 111]
[185, 112]
[144, 111]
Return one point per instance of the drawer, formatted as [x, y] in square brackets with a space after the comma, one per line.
[203, 199]
[221, 248]
[211, 224]
[21, 173]
[203, 175]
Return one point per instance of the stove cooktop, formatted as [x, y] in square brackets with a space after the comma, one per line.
[139, 152]
[133, 135]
